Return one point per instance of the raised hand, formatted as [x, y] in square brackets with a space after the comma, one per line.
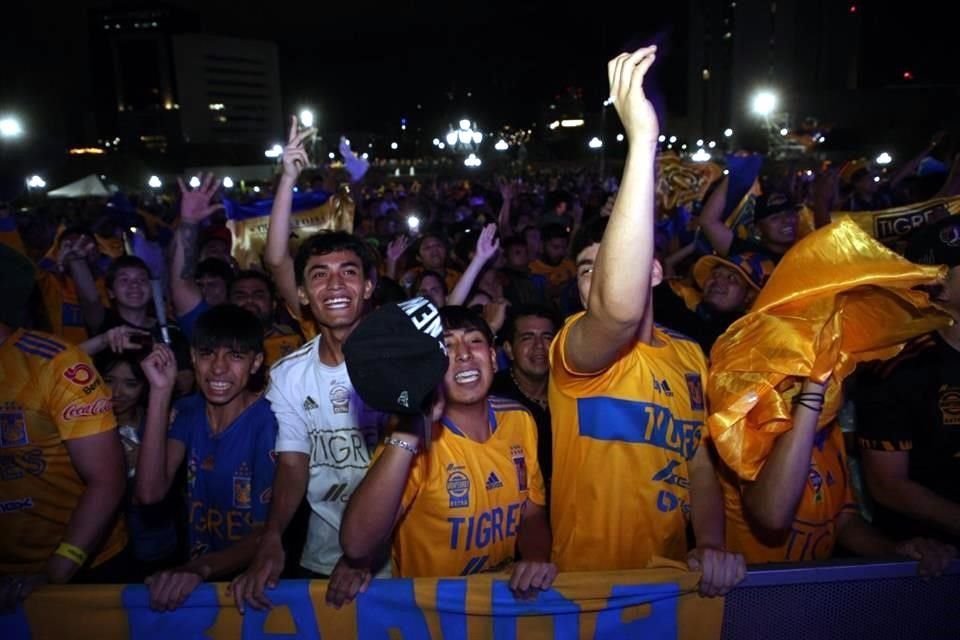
[77, 249]
[626, 73]
[120, 338]
[507, 188]
[397, 247]
[295, 158]
[197, 204]
[487, 243]
[160, 368]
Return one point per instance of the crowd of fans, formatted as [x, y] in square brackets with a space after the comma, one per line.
[568, 432]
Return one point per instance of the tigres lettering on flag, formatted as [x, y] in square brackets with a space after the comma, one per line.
[312, 212]
[653, 603]
[890, 226]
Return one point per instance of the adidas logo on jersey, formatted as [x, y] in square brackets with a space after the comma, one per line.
[493, 482]
[404, 399]
[310, 404]
[661, 386]
[336, 492]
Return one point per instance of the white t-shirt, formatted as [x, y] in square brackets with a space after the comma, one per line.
[320, 414]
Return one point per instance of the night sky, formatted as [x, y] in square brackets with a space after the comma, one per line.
[365, 66]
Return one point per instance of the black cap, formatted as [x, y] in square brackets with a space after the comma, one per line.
[396, 357]
[937, 243]
[770, 204]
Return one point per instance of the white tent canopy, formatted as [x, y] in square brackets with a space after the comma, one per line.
[89, 187]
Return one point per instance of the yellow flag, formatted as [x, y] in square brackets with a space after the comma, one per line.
[837, 298]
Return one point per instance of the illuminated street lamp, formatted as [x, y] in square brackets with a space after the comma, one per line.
[155, 183]
[884, 158]
[501, 145]
[595, 143]
[194, 182]
[307, 118]
[36, 182]
[274, 152]
[227, 182]
[10, 127]
[763, 103]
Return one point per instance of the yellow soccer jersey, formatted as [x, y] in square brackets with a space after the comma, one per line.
[813, 534]
[464, 499]
[49, 393]
[280, 342]
[621, 442]
[557, 275]
[63, 305]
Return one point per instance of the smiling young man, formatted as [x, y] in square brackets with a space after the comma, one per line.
[775, 215]
[626, 397]
[327, 433]
[464, 494]
[226, 433]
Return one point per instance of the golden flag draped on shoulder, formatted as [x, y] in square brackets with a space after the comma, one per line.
[837, 298]
[313, 212]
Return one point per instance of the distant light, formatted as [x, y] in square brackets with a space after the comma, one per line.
[683, 146]
[452, 138]
[699, 142]
[216, 106]
[727, 132]
[36, 182]
[595, 143]
[784, 131]
[441, 146]
[296, 189]
[553, 125]
[133, 229]
[908, 75]
[256, 189]
[712, 144]
[472, 161]
[876, 178]
[194, 182]
[306, 118]
[608, 101]
[822, 139]
[619, 137]
[436, 142]
[884, 158]
[10, 127]
[572, 122]
[154, 182]
[413, 223]
[227, 182]
[465, 124]
[662, 138]
[763, 102]
[477, 137]
[465, 137]
[83, 151]
[394, 146]
[274, 152]
[403, 127]
[331, 155]
[702, 155]
[726, 172]
[501, 145]
[168, 105]
[364, 155]
[853, 8]
[809, 173]
[673, 139]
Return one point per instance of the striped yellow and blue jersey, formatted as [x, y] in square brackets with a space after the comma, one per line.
[464, 500]
[622, 438]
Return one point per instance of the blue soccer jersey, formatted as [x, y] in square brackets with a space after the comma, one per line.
[229, 474]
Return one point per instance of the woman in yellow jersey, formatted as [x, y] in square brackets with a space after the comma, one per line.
[466, 496]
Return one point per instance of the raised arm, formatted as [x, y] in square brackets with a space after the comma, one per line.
[160, 456]
[910, 167]
[195, 206]
[395, 250]
[73, 259]
[773, 497]
[487, 247]
[623, 269]
[507, 191]
[277, 252]
[714, 226]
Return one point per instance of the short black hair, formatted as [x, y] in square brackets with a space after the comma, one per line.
[124, 262]
[589, 234]
[553, 231]
[320, 244]
[459, 317]
[521, 311]
[105, 361]
[426, 273]
[215, 267]
[228, 325]
[253, 274]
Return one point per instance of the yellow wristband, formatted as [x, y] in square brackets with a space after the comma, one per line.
[72, 553]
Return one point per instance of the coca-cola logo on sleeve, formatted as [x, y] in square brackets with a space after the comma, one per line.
[81, 410]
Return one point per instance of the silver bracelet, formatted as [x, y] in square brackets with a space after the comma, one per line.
[402, 444]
